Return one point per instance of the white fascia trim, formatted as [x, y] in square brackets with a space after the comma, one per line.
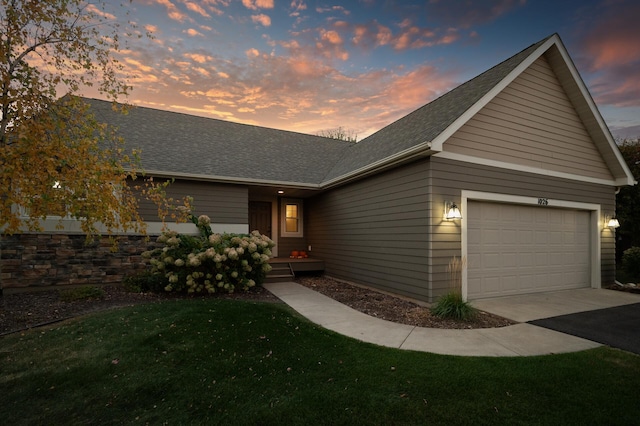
[437, 143]
[234, 180]
[527, 169]
[421, 150]
[595, 226]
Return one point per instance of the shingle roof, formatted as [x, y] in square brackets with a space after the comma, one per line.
[180, 144]
[427, 122]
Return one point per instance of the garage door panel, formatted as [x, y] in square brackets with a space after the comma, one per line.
[556, 238]
[542, 260]
[542, 237]
[514, 249]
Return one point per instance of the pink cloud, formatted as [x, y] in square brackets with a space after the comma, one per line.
[194, 7]
[258, 4]
[374, 34]
[618, 86]
[332, 37]
[614, 38]
[297, 6]
[91, 8]
[172, 11]
[252, 52]
[193, 32]
[610, 49]
[417, 87]
[333, 9]
[331, 45]
[198, 57]
[214, 5]
[262, 19]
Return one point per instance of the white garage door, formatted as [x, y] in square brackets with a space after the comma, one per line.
[515, 249]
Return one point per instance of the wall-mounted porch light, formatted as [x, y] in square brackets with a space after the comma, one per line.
[451, 211]
[280, 192]
[611, 222]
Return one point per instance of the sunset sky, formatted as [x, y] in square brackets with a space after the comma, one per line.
[308, 66]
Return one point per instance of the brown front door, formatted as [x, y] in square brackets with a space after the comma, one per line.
[260, 217]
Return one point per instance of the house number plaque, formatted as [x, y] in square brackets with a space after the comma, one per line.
[543, 201]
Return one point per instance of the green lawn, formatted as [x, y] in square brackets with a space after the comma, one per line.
[229, 362]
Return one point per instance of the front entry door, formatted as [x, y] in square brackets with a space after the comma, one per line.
[260, 217]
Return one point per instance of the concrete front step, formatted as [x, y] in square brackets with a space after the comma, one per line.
[278, 278]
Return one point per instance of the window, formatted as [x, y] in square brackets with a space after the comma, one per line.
[291, 218]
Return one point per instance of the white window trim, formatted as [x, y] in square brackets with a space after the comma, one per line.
[283, 218]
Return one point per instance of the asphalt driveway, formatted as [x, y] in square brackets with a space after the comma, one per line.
[618, 327]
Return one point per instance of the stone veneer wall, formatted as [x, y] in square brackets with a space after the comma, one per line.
[38, 261]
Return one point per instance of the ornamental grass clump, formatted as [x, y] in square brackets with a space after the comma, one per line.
[452, 305]
[211, 262]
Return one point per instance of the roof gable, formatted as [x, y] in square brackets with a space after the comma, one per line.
[578, 94]
[533, 123]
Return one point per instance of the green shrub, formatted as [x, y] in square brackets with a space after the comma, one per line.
[452, 306]
[631, 263]
[81, 293]
[211, 262]
[144, 282]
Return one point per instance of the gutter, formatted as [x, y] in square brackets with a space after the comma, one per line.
[226, 179]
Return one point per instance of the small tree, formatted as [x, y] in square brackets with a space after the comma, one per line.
[55, 157]
[339, 133]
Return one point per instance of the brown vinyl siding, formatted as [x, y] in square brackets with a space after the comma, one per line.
[287, 245]
[450, 177]
[533, 123]
[375, 231]
[222, 203]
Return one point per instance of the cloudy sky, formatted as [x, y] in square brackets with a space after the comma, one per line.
[309, 66]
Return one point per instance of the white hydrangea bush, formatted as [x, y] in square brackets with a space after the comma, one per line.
[211, 262]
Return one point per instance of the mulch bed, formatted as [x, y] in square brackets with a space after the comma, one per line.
[395, 309]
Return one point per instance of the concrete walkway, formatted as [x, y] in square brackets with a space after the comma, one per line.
[516, 340]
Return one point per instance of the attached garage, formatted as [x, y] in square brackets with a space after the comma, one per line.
[520, 248]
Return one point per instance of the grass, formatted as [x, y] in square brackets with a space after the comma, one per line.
[81, 293]
[216, 361]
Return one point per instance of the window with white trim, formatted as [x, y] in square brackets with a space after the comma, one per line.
[291, 223]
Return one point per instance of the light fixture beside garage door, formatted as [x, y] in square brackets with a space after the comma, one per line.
[451, 211]
[611, 222]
